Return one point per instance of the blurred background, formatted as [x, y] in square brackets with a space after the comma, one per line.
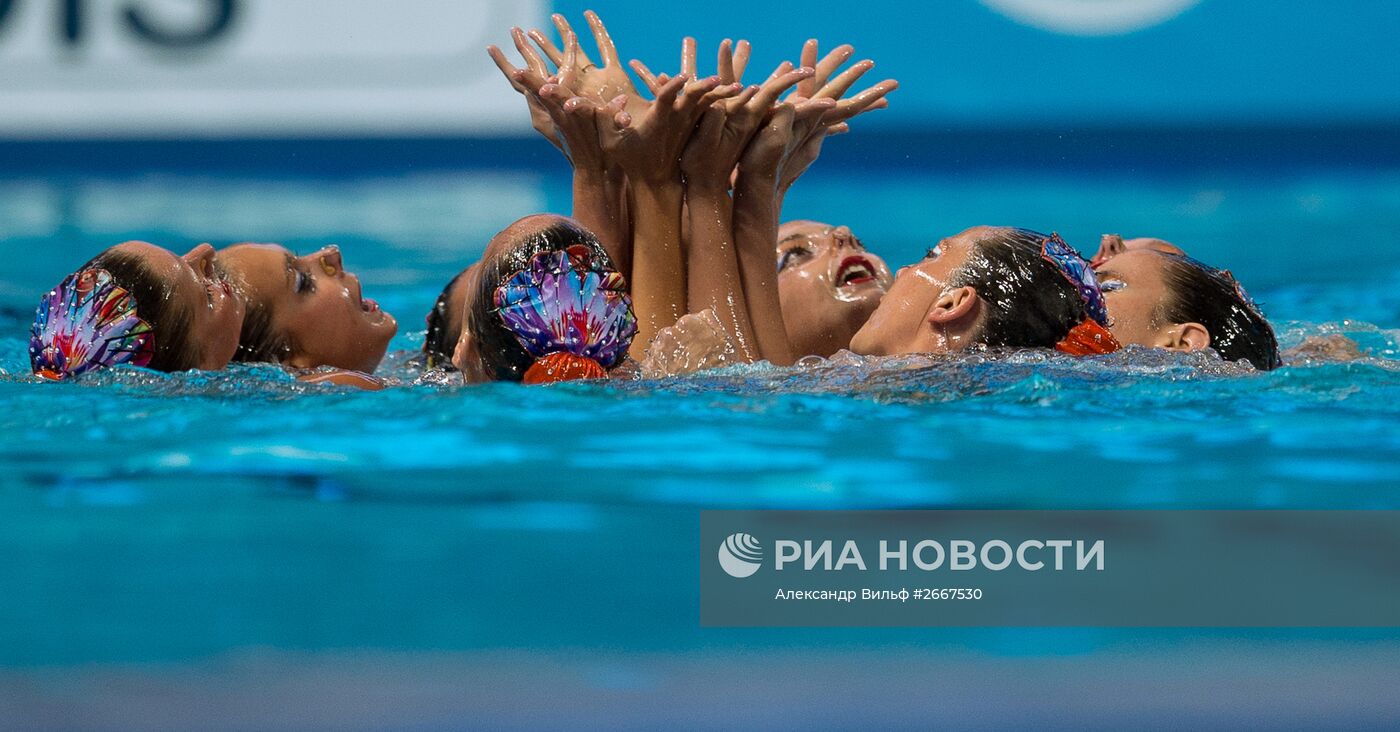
[228, 551]
[173, 69]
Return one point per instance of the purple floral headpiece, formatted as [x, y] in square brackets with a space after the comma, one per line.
[1055, 251]
[565, 302]
[86, 323]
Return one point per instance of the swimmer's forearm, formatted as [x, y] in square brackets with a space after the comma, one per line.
[756, 213]
[658, 266]
[598, 205]
[713, 279]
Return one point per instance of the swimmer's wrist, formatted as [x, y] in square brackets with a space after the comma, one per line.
[659, 187]
[601, 173]
[707, 188]
[757, 182]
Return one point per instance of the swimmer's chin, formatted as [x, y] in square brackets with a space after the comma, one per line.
[865, 343]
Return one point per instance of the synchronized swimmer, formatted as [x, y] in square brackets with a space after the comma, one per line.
[676, 223]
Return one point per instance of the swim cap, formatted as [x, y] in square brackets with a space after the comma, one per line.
[570, 312]
[1091, 336]
[87, 323]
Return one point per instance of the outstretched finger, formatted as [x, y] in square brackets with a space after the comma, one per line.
[688, 65]
[725, 63]
[743, 98]
[572, 52]
[808, 87]
[774, 88]
[668, 91]
[872, 98]
[783, 68]
[831, 62]
[697, 90]
[719, 93]
[837, 88]
[551, 51]
[528, 52]
[502, 63]
[561, 24]
[741, 59]
[607, 50]
[646, 76]
[808, 108]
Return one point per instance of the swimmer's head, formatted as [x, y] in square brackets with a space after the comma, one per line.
[1167, 300]
[544, 304]
[142, 305]
[446, 319]
[992, 286]
[828, 284]
[306, 311]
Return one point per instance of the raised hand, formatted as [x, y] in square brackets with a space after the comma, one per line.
[714, 277]
[527, 82]
[728, 127]
[582, 123]
[597, 183]
[808, 134]
[648, 147]
[757, 208]
[597, 83]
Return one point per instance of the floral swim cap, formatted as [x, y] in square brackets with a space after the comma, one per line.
[87, 323]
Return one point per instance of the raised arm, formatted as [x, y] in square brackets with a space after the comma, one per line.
[778, 155]
[714, 280]
[648, 150]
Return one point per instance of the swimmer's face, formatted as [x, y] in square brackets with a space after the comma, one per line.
[1136, 295]
[828, 285]
[1134, 291]
[199, 286]
[315, 304]
[922, 312]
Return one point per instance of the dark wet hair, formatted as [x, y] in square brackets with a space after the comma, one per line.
[259, 341]
[502, 355]
[1029, 302]
[169, 319]
[440, 341]
[1211, 297]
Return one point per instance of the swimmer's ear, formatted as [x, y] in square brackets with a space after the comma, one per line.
[1185, 337]
[300, 361]
[954, 306]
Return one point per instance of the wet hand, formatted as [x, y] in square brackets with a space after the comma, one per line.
[597, 83]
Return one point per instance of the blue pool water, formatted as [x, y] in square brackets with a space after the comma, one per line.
[238, 546]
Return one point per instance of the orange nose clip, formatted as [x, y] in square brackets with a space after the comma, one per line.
[563, 366]
[1088, 339]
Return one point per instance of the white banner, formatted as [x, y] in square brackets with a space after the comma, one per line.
[221, 68]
